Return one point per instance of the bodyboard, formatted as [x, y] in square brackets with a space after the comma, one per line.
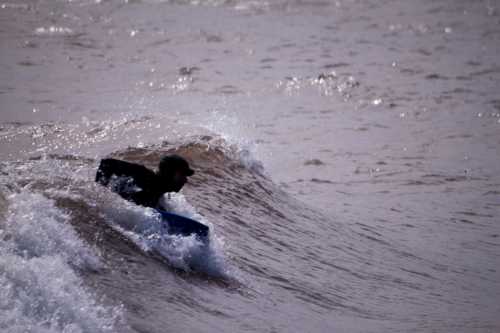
[181, 225]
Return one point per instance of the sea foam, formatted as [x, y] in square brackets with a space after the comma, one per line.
[144, 227]
[39, 255]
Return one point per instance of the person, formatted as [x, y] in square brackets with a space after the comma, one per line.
[136, 183]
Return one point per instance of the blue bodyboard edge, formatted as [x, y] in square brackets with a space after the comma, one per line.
[181, 225]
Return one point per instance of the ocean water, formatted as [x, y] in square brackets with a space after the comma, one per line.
[347, 158]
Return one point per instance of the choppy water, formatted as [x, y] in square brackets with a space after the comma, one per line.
[346, 156]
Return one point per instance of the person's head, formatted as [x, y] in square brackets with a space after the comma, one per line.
[174, 170]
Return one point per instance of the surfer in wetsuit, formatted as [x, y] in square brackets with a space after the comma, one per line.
[136, 183]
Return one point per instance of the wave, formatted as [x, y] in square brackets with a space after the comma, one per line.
[261, 239]
[67, 181]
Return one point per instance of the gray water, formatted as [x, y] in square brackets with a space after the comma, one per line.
[346, 157]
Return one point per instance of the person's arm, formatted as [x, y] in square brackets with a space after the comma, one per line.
[138, 176]
[105, 171]
[108, 167]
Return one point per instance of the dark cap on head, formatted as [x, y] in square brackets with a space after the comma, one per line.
[171, 163]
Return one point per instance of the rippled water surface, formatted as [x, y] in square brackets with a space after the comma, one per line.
[346, 156]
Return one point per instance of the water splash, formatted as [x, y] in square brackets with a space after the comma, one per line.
[144, 227]
[234, 143]
[40, 289]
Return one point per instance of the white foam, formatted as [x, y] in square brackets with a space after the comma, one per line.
[40, 290]
[37, 228]
[143, 226]
[209, 259]
[53, 30]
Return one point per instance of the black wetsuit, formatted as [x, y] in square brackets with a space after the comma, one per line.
[131, 181]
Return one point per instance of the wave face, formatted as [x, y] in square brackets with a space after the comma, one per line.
[77, 257]
[95, 243]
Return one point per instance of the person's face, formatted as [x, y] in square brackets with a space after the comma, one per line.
[178, 180]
